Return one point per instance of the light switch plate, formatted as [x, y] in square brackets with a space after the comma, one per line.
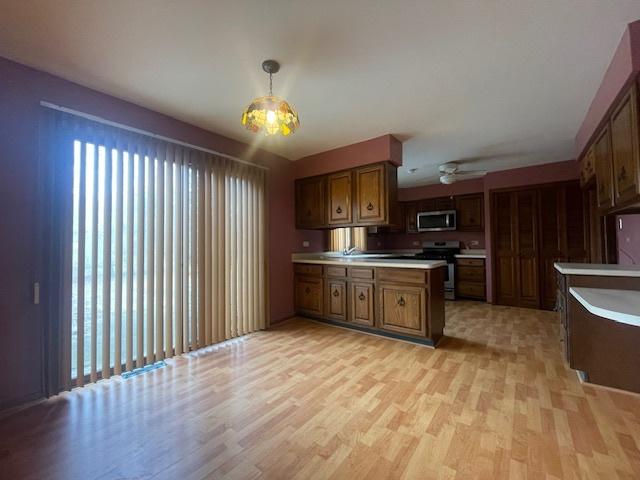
[305, 243]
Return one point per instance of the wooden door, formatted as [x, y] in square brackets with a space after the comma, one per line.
[308, 295]
[310, 202]
[624, 149]
[527, 248]
[339, 198]
[505, 249]
[403, 309]
[370, 194]
[362, 303]
[470, 212]
[336, 299]
[552, 240]
[604, 170]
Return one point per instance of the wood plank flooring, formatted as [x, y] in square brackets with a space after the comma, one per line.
[306, 400]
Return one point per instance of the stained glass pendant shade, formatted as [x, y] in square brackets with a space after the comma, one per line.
[270, 114]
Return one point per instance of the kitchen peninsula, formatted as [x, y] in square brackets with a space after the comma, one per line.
[388, 295]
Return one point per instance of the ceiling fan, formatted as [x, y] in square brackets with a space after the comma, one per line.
[450, 173]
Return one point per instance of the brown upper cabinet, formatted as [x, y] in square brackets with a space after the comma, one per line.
[624, 148]
[310, 202]
[339, 198]
[365, 196]
[470, 210]
[604, 172]
[374, 185]
[615, 151]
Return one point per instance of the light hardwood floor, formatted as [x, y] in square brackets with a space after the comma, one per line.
[306, 400]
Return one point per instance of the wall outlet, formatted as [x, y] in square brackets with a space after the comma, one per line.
[416, 243]
[305, 244]
[474, 243]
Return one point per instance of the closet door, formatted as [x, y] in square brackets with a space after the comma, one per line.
[527, 248]
[506, 254]
[552, 240]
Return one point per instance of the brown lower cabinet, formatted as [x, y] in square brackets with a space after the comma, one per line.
[398, 302]
[605, 351]
[403, 308]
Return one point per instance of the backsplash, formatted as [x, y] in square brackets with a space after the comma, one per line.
[396, 241]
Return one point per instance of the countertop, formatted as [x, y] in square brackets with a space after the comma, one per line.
[597, 269]
[471, 254]
[621, 306]
[366, 260]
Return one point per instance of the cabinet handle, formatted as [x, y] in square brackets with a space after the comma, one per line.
[339, 209]
[370, 206]
[401, 302]
[361, 297]
[336, 293]
[622, 175]
[307, 290]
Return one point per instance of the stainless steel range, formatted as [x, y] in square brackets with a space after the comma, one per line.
[446, 251]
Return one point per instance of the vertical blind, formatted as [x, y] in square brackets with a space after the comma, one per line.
[161, 248]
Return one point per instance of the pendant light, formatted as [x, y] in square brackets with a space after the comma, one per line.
[270, 114]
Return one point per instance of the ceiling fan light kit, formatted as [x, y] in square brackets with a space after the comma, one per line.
[270, 114]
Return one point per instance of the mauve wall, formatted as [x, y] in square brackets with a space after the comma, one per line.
[21, 90]
[624, 65]
[628, 239]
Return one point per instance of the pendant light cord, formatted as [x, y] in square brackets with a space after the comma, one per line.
[270, 84]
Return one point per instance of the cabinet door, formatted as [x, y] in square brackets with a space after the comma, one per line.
[336, 299]
[527, 232]
[624, 148]
[310, 202]
[552, 240]
[411, 217]
[470, 211]
[445, 203]
[504, 209]
[371, 193]
[362, 300]
[339, 197]
[308, 295]
[402, 309]
[604, 170]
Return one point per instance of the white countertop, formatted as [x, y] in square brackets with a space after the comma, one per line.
[604, 270]
[471, 255]
[370, 260]
[621, 306]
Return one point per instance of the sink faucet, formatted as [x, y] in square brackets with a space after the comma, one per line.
[350, 251]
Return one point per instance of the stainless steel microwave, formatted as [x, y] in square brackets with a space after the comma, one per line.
[436, 221]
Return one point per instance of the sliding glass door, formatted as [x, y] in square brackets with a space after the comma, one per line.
[162, 249]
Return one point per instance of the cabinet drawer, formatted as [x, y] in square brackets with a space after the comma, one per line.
[362, 273]
[337, 272]
[307, 269]
[470, 262]
[470, 274]
[402, 275]
[471, 290]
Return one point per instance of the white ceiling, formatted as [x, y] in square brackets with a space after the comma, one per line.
[494, 84]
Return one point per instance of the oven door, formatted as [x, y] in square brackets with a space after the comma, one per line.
[449, 282]
[437, 221]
